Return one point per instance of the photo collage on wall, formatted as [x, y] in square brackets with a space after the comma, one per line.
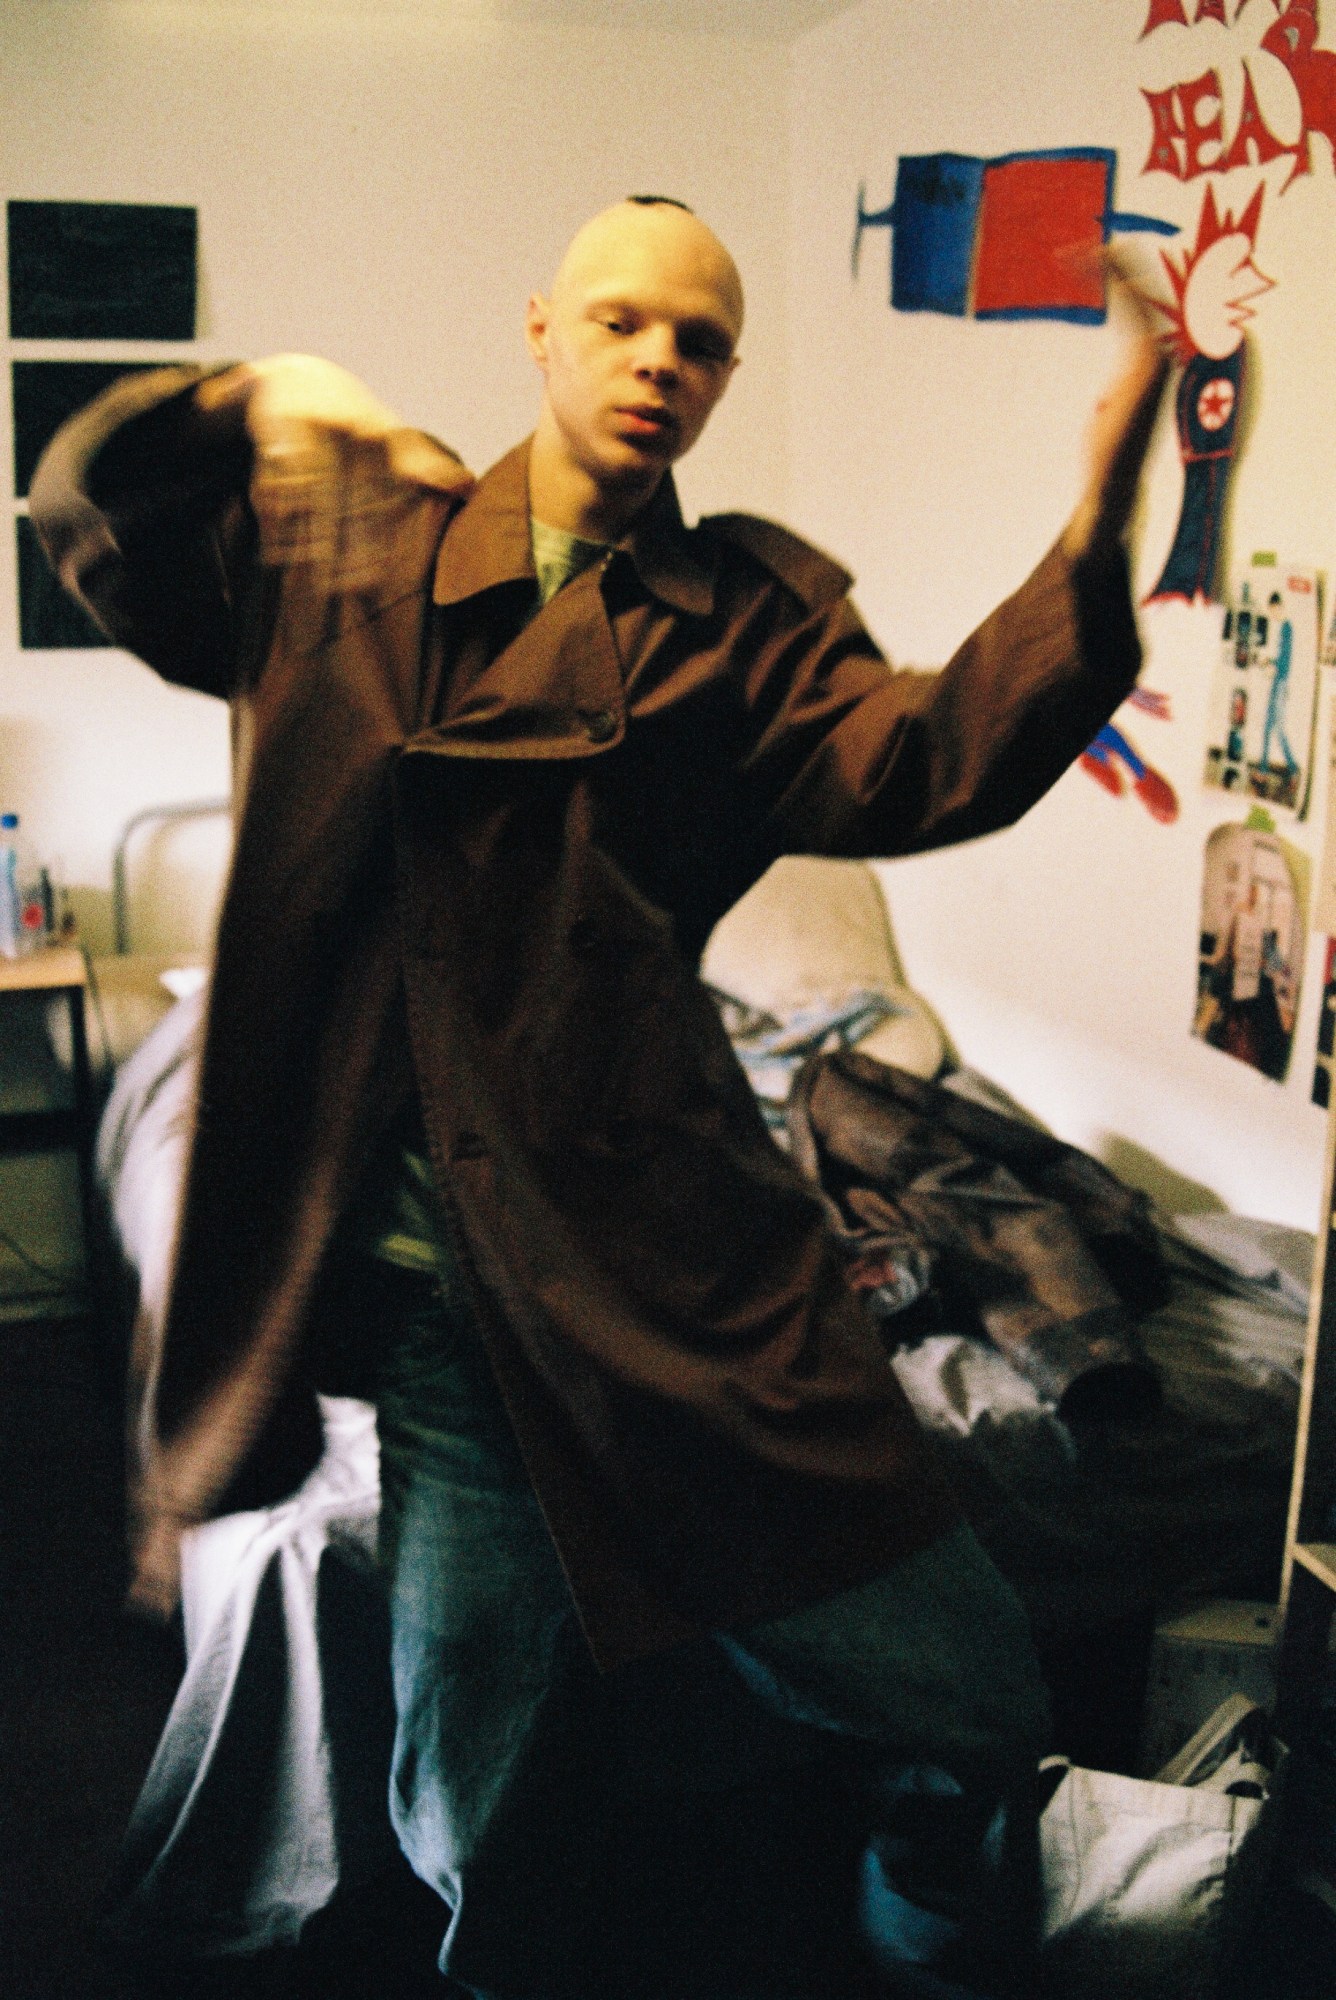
[1324, 920]
[1259, 747]
[1260, 718]
[1254, 924]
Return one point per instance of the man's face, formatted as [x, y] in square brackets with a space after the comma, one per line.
[637, 342]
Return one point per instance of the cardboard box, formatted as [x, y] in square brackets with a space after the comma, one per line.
[1200, 1658]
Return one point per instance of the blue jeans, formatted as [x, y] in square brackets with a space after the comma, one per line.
[514, 1758]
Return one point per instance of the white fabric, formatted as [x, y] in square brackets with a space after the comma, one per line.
[1147, 1885]
[1095, 1524]
[141, 1147]
[263, 1794]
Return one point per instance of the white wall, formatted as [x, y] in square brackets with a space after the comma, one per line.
[384, 187]
[939, 458]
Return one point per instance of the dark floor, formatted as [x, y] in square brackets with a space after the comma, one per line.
[83, 1693]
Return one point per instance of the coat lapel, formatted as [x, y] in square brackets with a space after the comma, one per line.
[557, 689]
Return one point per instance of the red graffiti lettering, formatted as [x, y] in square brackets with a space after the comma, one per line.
[1254, 143]
[1202, 107]
[1292, 41]
[1187, 128]
[1173, 13]
[1166, 132]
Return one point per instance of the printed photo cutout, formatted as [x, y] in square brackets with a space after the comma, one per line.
[1326, 1030]
[1260, 719]
[1250, 953]
[1324, 899]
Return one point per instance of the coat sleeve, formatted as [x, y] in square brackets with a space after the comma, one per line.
[847, 756]
[140, 504]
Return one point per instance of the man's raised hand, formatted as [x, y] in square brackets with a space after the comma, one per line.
[1123, 423]
[335, 470]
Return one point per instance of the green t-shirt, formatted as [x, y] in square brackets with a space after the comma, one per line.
[558, 557]
[401, 1219]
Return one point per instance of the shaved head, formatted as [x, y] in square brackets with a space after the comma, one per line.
[636, 343]
[641, 232]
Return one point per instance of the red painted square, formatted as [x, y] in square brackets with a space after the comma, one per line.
[1041, 229]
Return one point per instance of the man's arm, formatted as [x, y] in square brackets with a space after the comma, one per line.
[1121, 429]
[853, 758]
[166, 504]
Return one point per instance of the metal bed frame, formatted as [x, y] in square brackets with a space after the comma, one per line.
[120, 875]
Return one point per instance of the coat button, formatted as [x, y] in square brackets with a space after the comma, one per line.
[600, 725]
[468, 1146]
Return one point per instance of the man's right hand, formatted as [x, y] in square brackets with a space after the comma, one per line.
[335, 470]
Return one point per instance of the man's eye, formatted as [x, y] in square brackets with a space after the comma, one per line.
[702, 347]
[615, 325]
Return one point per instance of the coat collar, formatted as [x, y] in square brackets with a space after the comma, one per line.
[488, 542]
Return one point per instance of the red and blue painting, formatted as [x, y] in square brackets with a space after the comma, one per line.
[1016, 237]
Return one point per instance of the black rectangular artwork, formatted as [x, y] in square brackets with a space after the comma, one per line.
[101, 270]
[47, 617]
[45, 393]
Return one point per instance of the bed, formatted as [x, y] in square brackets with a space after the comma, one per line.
[267, 1791]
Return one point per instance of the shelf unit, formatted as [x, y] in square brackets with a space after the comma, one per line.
[59, 973]
[1308, 1582]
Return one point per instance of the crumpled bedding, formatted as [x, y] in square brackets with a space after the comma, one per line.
[255, 1806]
[268, 1787]
[951, 1212]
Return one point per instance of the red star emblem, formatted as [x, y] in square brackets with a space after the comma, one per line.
[1215, 404]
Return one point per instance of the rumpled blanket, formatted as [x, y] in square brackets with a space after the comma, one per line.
[773, 1048]
[952, 1214]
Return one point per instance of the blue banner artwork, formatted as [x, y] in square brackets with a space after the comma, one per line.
[1016, 237]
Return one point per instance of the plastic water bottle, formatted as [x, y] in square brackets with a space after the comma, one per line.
[23, 909]
[11, 912]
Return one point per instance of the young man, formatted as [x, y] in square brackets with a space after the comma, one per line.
[505, 753]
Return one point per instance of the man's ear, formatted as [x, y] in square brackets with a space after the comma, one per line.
[537, 317]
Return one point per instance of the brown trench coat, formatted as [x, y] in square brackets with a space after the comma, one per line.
[479, 852]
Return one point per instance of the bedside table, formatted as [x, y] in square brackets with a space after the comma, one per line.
[58, 972]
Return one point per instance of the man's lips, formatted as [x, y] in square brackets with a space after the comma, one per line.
[647, 420]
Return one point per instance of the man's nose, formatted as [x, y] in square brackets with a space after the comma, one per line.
[656, 355]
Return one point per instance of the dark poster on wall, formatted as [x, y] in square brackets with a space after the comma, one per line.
[101, 270]
[48, 619]
[45, 393]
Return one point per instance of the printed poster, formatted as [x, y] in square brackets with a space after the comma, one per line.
[1324, 903]
[1260, 718]
[1250, 955]
[1326, 1030]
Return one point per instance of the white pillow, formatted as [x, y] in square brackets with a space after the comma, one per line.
[814, 930]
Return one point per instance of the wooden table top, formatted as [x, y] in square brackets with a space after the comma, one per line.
[48, 969]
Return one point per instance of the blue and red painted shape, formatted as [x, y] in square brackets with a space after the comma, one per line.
[1207, 411]
[1015, 237]
[1112, 758]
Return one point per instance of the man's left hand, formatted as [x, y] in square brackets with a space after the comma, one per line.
[1123, 423]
